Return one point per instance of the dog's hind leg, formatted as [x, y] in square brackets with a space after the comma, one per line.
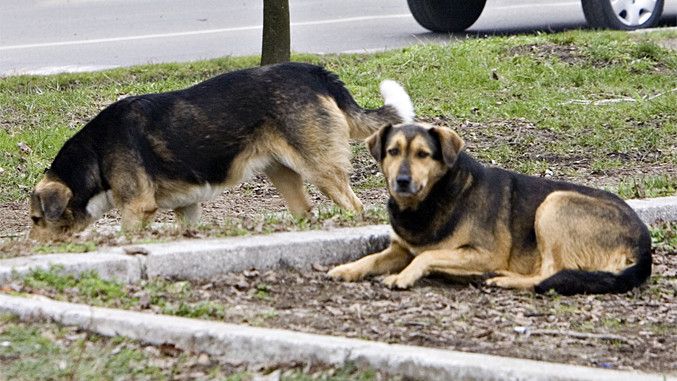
[335, 184]
[507, 279]
[134, 194]
[189, 215]
[290, 185]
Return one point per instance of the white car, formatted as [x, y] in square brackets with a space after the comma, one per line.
[457, 15]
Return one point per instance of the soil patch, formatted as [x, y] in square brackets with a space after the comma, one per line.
[669, 43]
[629, 331]
[569, 54]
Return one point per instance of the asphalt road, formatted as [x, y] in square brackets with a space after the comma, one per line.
[45, 36]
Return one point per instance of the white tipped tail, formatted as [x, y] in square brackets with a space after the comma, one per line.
[394, 95]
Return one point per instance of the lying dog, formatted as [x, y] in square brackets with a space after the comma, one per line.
[452, 215]
[172, 150]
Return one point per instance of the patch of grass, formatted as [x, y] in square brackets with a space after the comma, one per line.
[66, 247]
[46, 351]
[371, 182]
[611, 324]
[648, 186]
[88, 284]
[457, 82]
[262, 291]
[664, 236]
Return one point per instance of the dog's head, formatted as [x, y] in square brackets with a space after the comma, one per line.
[413, 157]
[51, 211]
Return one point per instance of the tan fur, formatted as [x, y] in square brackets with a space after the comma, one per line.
[569, 239]
[569, 232]
[48, 204]
[424, 171]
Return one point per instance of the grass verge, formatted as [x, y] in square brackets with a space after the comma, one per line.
[607, 98]
[46, 351]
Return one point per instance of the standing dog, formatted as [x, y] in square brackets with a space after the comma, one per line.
[173, 150]
[452, 215]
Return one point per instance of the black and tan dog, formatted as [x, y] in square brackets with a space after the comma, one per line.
[452, 215]
[173, 150]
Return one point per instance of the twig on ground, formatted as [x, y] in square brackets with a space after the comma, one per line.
[603, 102]
[11, 235]
[578, 335]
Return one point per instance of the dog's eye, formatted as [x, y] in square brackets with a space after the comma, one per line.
[422, 154]
[394, 151]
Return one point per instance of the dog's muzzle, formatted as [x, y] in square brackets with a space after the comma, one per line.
[404, 186]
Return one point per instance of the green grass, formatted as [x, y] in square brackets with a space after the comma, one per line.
[66, 247]
[453, 82]
[46, 351]
[643, 187]
[664, 236]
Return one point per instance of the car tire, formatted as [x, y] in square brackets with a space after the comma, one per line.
[446, 15]
[622, 14]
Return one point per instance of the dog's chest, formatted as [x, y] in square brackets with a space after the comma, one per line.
[188, 195]
[100, 204]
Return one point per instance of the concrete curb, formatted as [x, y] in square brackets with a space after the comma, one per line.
[208, 258]
[108, 265]
[651, 210]
[254, 346]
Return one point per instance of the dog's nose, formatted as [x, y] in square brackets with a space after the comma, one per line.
[403, 181]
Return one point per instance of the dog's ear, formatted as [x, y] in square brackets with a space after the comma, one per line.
[376, 142]
[450, 144]
[51, 199]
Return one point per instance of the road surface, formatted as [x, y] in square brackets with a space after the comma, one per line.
[47, 36]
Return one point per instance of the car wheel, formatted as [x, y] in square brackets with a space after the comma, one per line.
[446, 15]
[622, 14]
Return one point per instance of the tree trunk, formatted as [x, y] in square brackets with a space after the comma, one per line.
[276, 35]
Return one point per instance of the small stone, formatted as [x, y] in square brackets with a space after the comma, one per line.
[24, 148]
[253, 273]
[204, 360]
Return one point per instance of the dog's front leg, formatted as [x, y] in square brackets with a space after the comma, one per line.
[461, 262]
[392, 259]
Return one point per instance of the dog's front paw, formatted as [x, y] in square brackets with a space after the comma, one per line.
[398, 281]
[346, 272]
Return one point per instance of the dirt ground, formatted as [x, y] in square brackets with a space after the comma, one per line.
[635, 330]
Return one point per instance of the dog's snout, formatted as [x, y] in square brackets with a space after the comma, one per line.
[403, 181]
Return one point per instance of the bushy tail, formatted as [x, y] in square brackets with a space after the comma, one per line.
[570, 282]
[397, 109]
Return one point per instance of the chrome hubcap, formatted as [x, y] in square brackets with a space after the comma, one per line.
[633, 12]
